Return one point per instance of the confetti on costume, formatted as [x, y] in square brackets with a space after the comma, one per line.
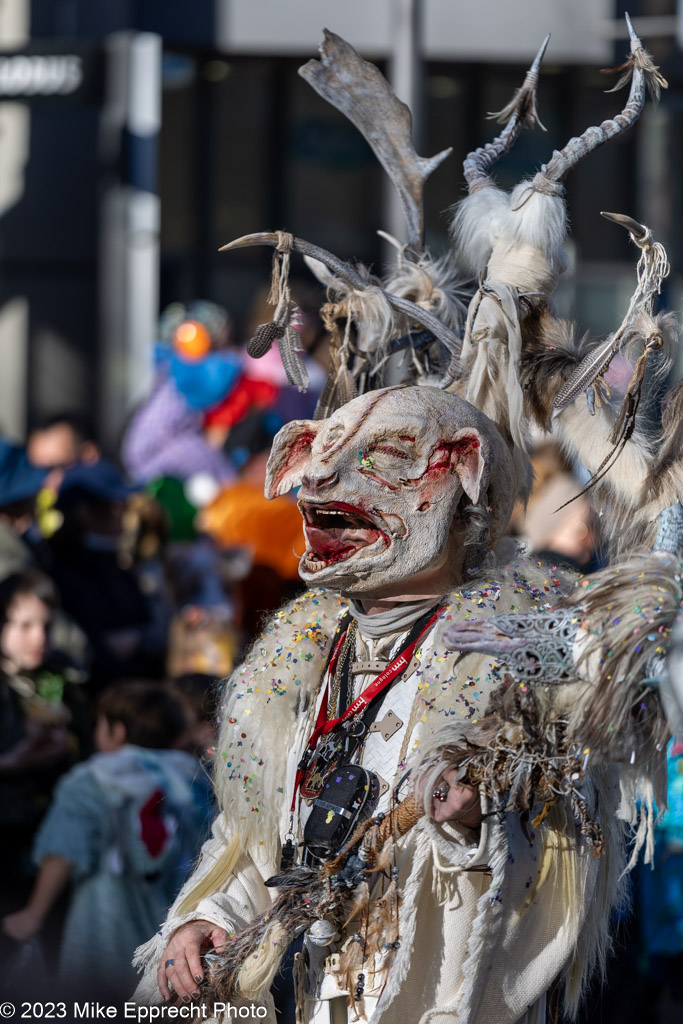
[496, 672]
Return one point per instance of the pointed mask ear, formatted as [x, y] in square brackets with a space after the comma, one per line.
[468, 461]
[462, 454]
[289, 456]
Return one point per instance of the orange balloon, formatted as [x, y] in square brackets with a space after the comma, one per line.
[191, 340]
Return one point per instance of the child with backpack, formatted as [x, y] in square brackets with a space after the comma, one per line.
[124, 829]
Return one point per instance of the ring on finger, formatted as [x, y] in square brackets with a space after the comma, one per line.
[169, 963]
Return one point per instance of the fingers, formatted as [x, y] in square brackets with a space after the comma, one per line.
[488, 643]
[180, 976]
[194, 963]
[461, 803]
[162, 980]
[219, 937]
[180, 963]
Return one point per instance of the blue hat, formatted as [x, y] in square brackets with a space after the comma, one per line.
[18, 478]
[101, 480]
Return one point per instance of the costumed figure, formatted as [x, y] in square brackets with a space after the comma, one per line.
[435, 805]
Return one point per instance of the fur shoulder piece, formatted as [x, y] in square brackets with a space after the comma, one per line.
[269, 697]
[262, 701]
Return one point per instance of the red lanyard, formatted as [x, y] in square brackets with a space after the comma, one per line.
[372, 690]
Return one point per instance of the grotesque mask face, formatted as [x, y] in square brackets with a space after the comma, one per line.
[381, 481]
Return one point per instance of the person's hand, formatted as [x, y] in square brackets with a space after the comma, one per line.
[461, 803]
[186, 973]
[480, 636]
[23, 925]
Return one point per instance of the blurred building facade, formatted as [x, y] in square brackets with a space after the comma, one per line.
[140, 135]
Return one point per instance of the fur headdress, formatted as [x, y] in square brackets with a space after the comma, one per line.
[526, 368]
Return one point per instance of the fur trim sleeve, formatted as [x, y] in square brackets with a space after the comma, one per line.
[458, 847]
[232, 906]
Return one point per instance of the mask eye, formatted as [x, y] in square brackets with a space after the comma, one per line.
[332, 436]
[391, 450]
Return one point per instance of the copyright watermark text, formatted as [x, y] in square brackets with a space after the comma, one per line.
[72, 1011]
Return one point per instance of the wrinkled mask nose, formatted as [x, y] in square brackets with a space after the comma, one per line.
[314, 482]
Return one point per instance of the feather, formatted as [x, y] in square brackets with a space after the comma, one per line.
[290, 354]
[384, 858]
[551, 349]
[524, 101]
[642, 60]
[263, 338]
[252, 958]
[359, 903]
[351, 961]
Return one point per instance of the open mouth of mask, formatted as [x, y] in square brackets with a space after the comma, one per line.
[336, 532]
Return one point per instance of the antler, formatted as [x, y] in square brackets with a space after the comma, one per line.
[644, 75]
[349, 276]
[520, 111]
[361, 92]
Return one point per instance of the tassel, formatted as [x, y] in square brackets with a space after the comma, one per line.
[259, 970]
[283, 325]
[279, 296]
[252, 958]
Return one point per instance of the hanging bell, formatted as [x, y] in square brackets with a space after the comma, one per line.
[322, 933]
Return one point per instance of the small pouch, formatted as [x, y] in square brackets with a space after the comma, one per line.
[348, 797]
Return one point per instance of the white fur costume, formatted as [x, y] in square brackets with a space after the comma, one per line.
[404, 492]
[477, 946]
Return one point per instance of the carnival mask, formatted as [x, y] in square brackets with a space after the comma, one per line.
[381, 481]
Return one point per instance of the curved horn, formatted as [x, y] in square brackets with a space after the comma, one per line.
[520, 111]
[349, 276]
[638, 232]
[643, 74]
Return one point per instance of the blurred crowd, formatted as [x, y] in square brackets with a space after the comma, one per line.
[130, 583]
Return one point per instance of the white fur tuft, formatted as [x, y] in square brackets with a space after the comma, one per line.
[477, 222]
[538, 220]
[434, 285]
